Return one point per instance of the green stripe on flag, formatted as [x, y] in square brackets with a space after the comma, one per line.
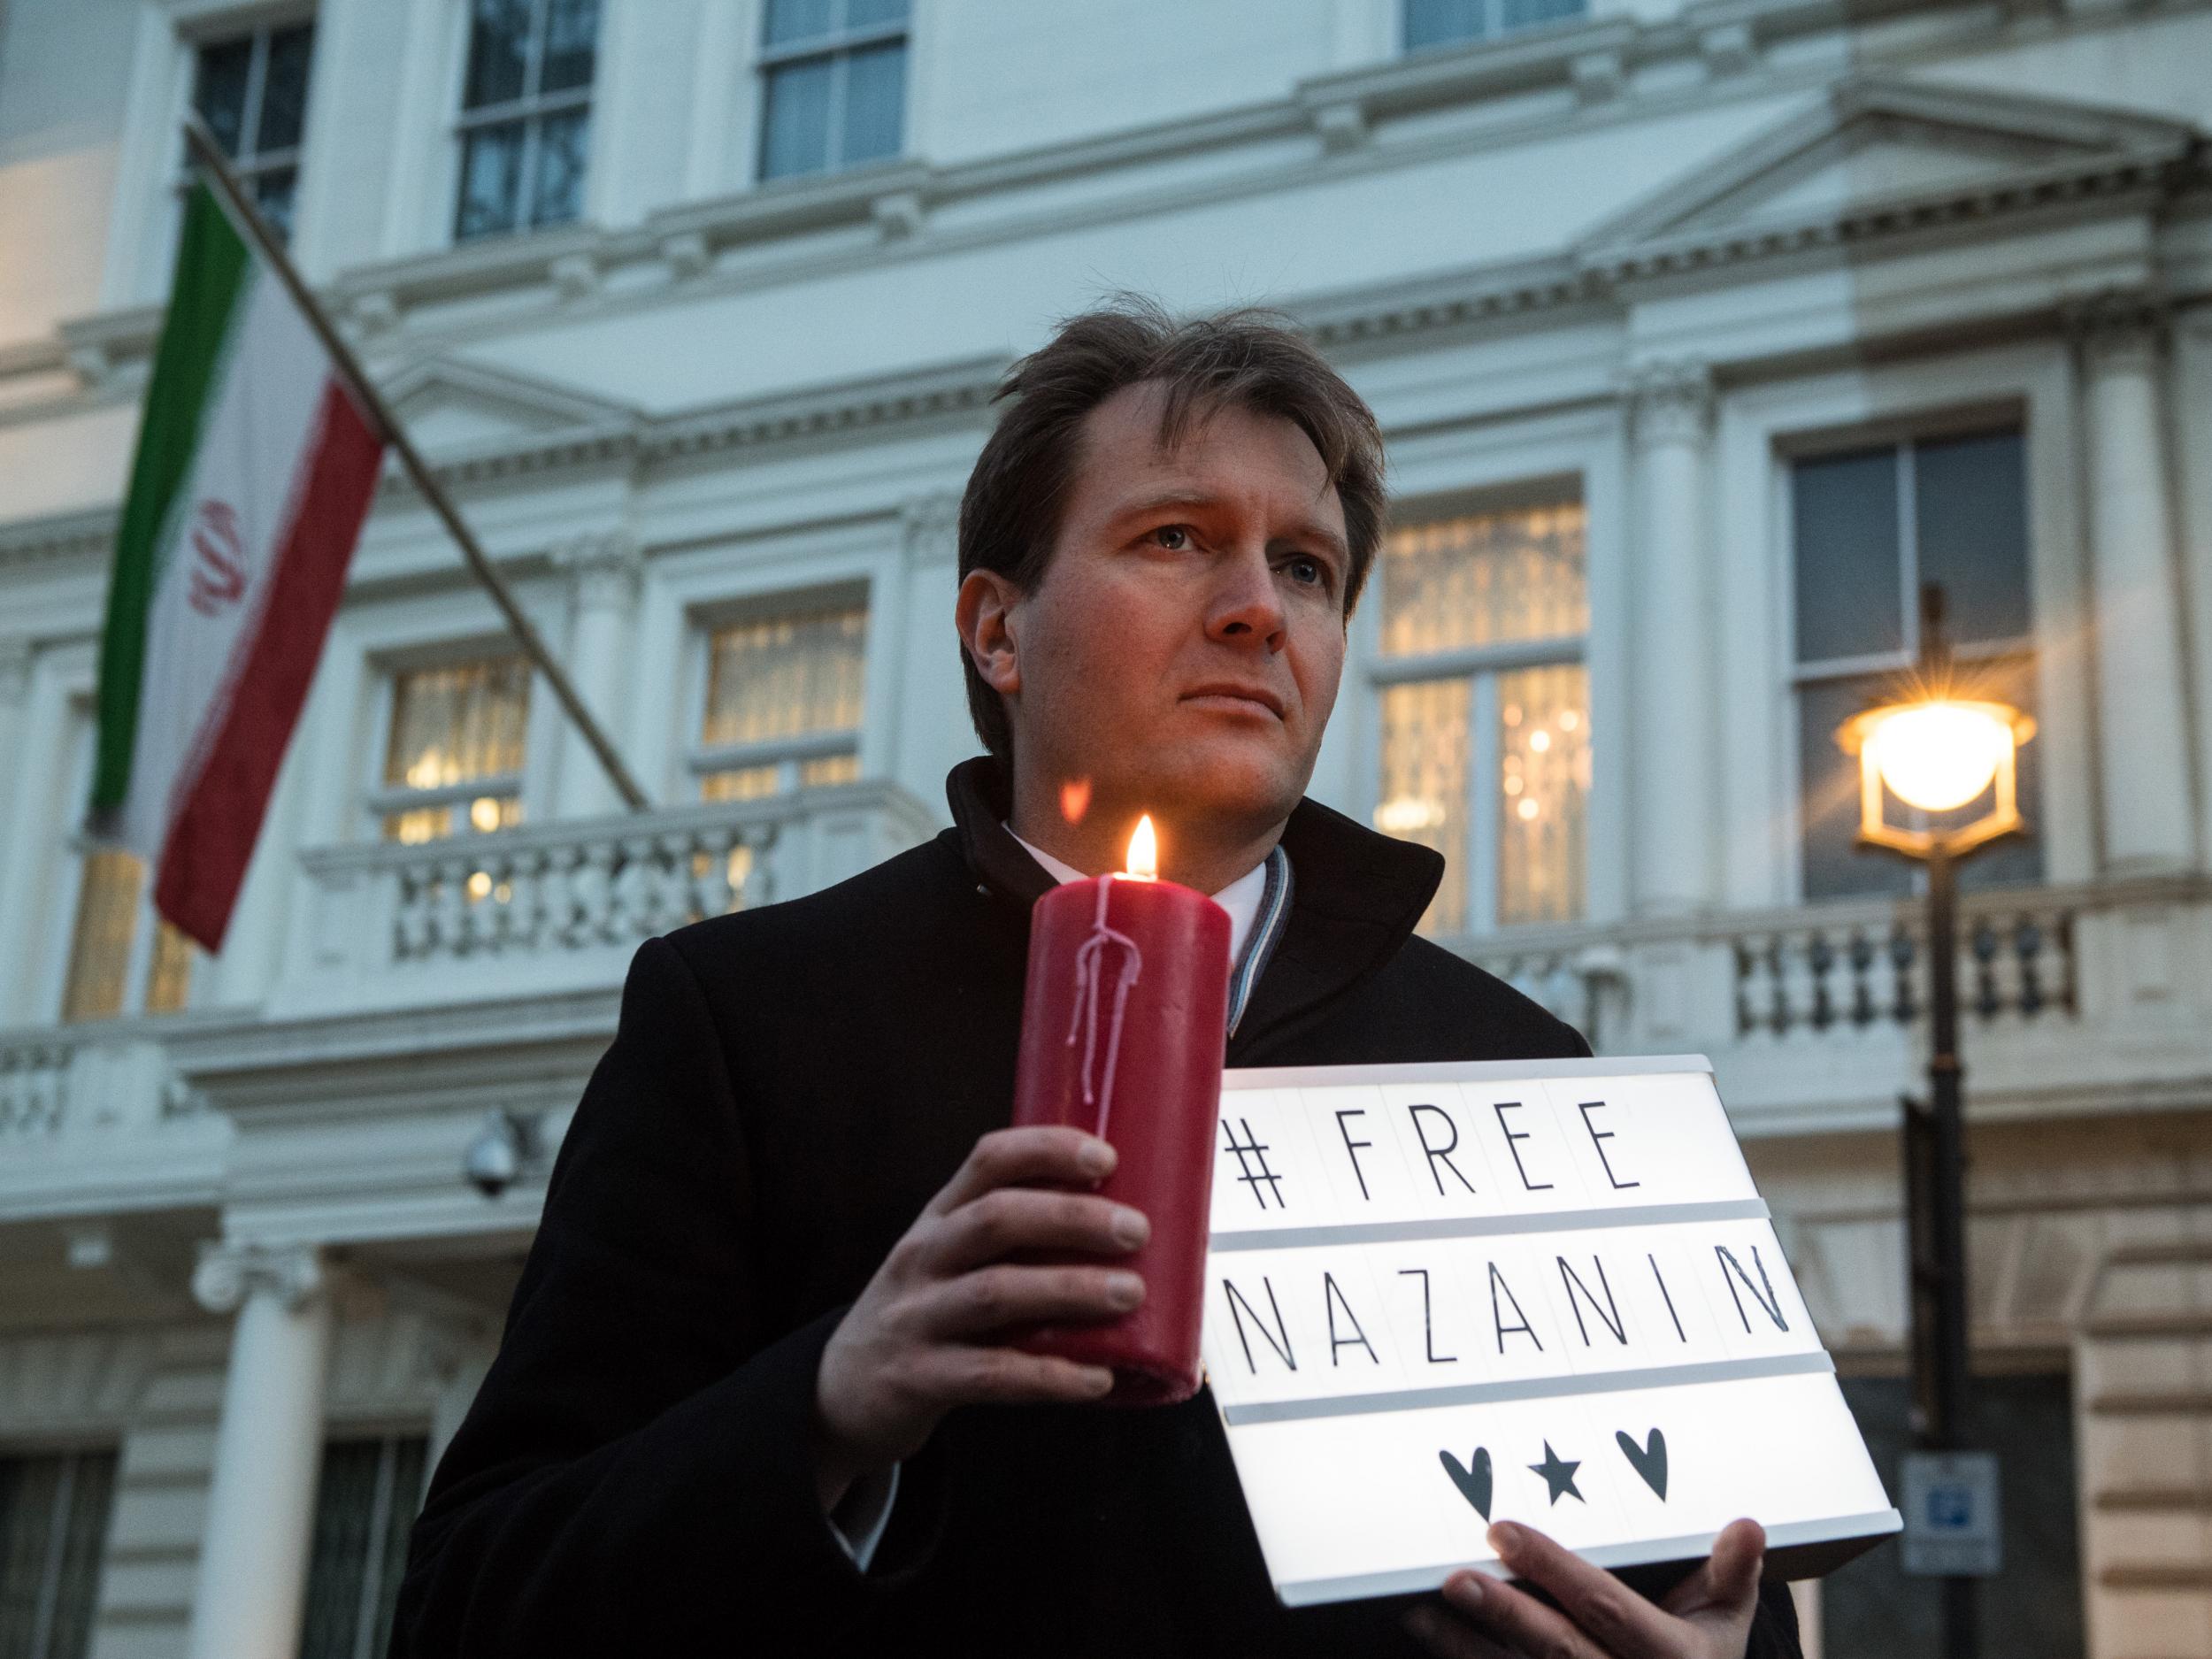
[213, 264]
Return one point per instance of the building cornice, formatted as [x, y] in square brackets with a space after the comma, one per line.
[729, 243]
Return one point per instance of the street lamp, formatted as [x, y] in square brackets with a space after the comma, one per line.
[1939, 751]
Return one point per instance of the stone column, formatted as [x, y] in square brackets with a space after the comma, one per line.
[15, 693]
[268, 1452]
[1672, 740]
[2141, 721]
[603, 573]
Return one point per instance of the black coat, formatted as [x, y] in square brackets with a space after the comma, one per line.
[788, 1087]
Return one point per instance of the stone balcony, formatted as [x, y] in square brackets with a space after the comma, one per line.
[561, 906]
[2072, 998]
[96, 1118]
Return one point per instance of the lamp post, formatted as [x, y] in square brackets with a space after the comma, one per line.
[1938, 752]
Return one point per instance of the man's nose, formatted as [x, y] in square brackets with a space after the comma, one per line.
[1244, 607]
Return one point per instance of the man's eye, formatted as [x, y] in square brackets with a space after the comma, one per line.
[1308, 572]
[1173, 537]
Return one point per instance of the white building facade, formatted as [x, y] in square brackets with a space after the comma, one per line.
[1701, 336]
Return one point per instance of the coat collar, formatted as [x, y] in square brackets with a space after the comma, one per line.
[1357, 896]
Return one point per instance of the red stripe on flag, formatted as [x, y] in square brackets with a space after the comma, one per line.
[204, 854]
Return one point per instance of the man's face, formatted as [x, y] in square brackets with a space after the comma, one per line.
[1180, 654]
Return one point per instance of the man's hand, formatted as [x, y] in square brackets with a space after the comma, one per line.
[1708, 1616]
[917, 1342]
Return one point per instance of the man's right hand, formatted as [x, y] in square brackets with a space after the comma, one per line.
[919, 1340]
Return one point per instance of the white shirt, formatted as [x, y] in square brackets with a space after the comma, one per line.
[1241, 898]
[858, 1521]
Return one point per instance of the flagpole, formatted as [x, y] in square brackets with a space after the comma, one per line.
[208, 155]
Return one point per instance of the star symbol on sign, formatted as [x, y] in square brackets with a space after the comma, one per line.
[1559, 1474]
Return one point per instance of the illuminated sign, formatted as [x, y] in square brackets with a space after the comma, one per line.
[1542, 1291]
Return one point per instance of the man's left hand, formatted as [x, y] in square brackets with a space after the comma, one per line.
[1708, 1616]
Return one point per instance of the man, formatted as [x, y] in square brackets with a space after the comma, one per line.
[754, 1392]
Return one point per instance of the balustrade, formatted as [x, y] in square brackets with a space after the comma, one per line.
[564, 902]
[1856, 968]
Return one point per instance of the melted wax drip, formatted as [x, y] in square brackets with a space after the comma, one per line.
[1089, 988]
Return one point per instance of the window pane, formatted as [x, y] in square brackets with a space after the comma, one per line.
[795, 130]
[829, 769]
[1520, 14]
[742, 783]
[169, 976]
[53, 1523]
[564, 141]
[1970, 508]
[1520, 575]
[491, 181]
[1435, 22]
[83, 1541]
[100, 954]
[791, 20]
[409, 1457]
[1543, 792]
[571, 36]
[1850, 597]
[345, 1504]
[875, 103]
[1423, 797]
[499, 52]
[449, 724]
[865, 14]
[219, 92]
[419, 824]
[2032, 1609]
[284, 88]
[786, 676]
[273, 193]
[1834, 865]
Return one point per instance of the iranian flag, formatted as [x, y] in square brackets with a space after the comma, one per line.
[254, 470]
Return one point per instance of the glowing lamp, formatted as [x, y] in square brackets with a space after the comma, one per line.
[1937, 754]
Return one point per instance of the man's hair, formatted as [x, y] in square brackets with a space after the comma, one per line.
[1010, 515]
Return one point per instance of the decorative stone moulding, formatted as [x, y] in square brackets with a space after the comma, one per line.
[605, 567]
[1670, 401]
[2121, 327]
[229, 1273]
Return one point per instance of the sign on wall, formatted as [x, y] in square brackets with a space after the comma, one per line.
[1542, 1291]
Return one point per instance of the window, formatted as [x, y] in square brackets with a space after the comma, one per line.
[832, 84]
[453, 758]
[1486, 727]
[365, 1504]
[53, 1526]
[783, 703]
[525, 114]
[115, 923]
[2032, 1609]
[1453, 22]
[1869, 526]
[252, 94]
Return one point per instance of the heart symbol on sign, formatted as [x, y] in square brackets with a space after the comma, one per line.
[1649, 1460]
[1473, 1484]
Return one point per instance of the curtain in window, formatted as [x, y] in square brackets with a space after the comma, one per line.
[786, 676]
[1425, 763]
[1486, 581]
[53, 1526]
[365, 1505]
[1543, 792]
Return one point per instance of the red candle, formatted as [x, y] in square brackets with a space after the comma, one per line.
[1123, 1034]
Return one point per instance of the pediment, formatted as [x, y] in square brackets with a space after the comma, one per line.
[1872, 143]
[449, 403]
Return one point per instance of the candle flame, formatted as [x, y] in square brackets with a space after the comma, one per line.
[1144, 851]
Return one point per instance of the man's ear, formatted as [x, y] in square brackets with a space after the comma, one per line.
[983, 614]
